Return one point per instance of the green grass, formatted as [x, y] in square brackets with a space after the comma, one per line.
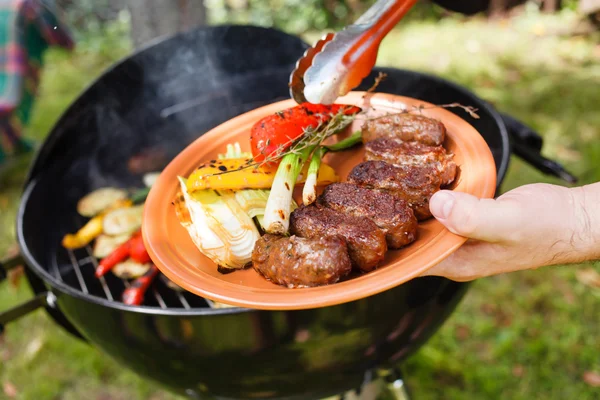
[524, 335]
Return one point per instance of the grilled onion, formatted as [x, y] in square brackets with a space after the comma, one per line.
[218, 226]
[123, 220]
[99, 200]
[130, 269]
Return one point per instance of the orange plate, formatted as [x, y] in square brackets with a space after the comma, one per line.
[175, 254]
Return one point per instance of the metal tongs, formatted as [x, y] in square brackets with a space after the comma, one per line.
[339, 62]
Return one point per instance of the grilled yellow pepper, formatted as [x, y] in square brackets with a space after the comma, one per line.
[234, 174]
[93, 228]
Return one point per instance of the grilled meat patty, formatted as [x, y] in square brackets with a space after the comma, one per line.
[366, 242]
[414, 183]
[390, 213]
[412, 153]
[299, 262]
[406, 127]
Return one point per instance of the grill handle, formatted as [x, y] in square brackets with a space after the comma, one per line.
[527, 145]
[40, 300]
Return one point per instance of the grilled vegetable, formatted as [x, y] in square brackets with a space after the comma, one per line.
[253, 202]
[130, 269]
[134, 295]
[216, 304]
[227, 175]
[123, 220]
[346, 143]
[120, 254]
[85, 235]
[139, 196]
[106, 244]
[234, 151]
[218, 226]
[138, 252]
[171, 285]
[274, 134]
[309, 192]
[93, 228]
[276, 218]
[99, 200]
[277, 212]
[150, 178]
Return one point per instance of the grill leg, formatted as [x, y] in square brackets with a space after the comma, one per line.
[395, 385]
[398, 390]
[373, 387]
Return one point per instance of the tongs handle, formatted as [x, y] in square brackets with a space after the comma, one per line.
[338, 63]
[377, 22]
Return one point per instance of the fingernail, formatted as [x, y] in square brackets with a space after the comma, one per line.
[441, 204]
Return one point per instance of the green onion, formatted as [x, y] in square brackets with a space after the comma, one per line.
[277, 212]
[309, 192]
[344, 144]
[140, 195]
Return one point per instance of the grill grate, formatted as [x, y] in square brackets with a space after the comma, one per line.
[77, 268]
[79, 273]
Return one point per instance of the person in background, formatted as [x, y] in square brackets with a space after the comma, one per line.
[27, 29]
[529, 227]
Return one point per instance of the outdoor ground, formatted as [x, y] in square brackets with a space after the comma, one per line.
[529, 335]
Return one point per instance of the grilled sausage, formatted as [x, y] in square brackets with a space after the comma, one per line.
[299, 262]
[406, 127]
[411, 153]
[390, 213]
[366, 242]
[413, 183]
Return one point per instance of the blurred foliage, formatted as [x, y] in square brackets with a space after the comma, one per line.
[89, 18]
[300, 16]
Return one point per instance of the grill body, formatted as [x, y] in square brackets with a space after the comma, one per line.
[157, 102]
[247, 354]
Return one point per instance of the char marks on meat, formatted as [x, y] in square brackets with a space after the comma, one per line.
[415, 184]
[406, 127]
[351, 225]
[412, 153]
[300, 262]
[390, 213]
[366, 242]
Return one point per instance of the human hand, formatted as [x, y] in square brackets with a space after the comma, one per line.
[529, 227]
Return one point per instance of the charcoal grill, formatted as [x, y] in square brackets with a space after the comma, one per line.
[158, 101]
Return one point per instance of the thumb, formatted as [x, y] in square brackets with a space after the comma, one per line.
[482, 219]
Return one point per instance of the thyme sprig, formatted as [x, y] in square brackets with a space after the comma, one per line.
[311, 137]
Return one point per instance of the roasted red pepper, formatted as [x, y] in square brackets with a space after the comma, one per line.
[275, 133]
[121, 253]
[134, 294]
[137, 250]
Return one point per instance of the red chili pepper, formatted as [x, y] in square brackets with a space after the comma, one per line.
[121, 253]
[276, 132]
[137, 250]
[134, 294]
